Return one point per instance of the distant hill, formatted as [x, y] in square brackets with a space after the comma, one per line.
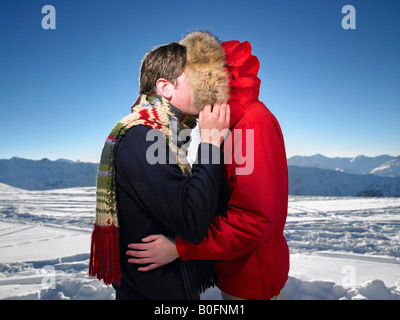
[359, 176]
[324, 182]
[385, 165]
[45, 174]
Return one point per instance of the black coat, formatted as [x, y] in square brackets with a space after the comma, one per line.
[159, 199]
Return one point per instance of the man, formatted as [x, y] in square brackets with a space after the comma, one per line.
[140, 192]
[247, 241]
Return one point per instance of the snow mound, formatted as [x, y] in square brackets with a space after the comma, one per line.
[297, 289]
[4, 188]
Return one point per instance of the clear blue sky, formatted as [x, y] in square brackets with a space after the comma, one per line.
[334, 91]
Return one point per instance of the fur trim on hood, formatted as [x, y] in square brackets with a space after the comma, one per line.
[206, 69]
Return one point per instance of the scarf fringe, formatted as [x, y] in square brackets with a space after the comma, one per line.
[198, 276]
[104, 254]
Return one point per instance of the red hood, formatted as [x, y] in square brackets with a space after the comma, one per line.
[244, 84]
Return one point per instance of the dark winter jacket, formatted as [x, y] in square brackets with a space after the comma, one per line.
[159, 199]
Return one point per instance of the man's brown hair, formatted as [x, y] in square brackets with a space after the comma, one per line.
[166, 61]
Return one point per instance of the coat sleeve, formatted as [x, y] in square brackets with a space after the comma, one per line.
[256, 207]
[185, 204]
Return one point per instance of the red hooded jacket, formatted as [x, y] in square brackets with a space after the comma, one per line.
[248, 242]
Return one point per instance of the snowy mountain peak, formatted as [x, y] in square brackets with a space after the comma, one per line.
[358, 158]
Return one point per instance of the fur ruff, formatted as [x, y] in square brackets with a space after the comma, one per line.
[206, 69]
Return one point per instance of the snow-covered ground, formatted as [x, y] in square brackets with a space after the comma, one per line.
[341, 248]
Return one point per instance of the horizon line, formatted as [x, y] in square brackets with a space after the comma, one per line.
[304, 156]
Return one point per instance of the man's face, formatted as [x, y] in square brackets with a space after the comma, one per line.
[182, 98]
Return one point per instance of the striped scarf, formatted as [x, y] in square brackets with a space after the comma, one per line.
[155, 112]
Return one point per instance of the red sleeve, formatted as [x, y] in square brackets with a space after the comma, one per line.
[255, 207]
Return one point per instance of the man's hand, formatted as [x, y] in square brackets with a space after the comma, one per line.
[155, 249]
[214, 123]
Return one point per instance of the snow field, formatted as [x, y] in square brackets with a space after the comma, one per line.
[341, 248]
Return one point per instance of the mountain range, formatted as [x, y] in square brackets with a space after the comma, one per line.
[384, 165]
[313, 175]
[46, 174]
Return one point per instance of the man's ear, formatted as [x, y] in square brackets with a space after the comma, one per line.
[164, 87]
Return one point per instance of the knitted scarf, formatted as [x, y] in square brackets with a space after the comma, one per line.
[155, 112]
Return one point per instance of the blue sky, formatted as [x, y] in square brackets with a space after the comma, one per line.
[334, 91]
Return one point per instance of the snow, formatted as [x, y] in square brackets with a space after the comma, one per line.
[341, 247]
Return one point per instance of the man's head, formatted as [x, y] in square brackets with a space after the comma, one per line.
[166, 61]
[190, 74]
[162, 71]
